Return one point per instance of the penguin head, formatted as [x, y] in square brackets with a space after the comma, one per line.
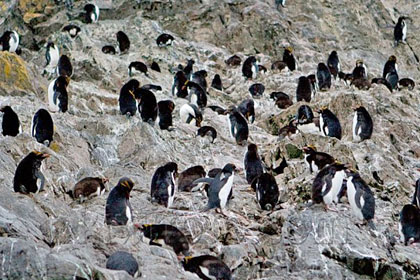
[126, 183]
[229, 168]
[143, 228]
[359, 62]
[392, 58]
[288, 50]
[6, 109]
[202, 73]
[50, 45]
[172, 167]
[252, 148]
[309, 149]
[334, 53]
[186, 260]
[322, 109]
[38, 155]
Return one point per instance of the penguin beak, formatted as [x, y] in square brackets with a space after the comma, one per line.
[45, 155]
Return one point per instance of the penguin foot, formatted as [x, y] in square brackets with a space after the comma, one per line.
[327, 208]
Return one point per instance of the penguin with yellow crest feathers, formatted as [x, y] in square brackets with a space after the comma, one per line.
[28, 176]
[118, 210]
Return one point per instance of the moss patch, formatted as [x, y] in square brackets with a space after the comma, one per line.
[15, 74]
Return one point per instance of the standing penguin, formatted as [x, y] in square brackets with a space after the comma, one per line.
[392, 78]
[118, 210]
[362, 124]
[127, 99]
[323, 76]
[207, 267]
[289, 58]
[196, 94]
[190, 112]
[360, 71]
[9, 41]
[64, 67]
[57, 94]
[247, 109]
[252, 163]
[304, 89]
[220, 187]
[52, 55]
[390, 66]
[360, 197]
[123, 42]
[88, 187]
[188, 176]
[147, 104]
[163, 184]
[416, 196]
[91, 13]
[161, 234]
[238, 126]
[217, 82]
[178, 87]
[400, 31]
[10, 124]
[123, 261]
[42, 128]
[250, 68]
[267, 191]
[334, 64]
[316, 160]
[188, 70]
[328, 183]
[28, 176]
[329, 123]
[409, 226]
[164, 40]
[165, 109]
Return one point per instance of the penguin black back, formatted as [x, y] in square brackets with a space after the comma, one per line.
[267, 191]
[88, 187]
[72, 29]
[147, 107]
[304, 89]
[256, 90]
[390, 66]
[42, 127]
[250, 68]
[188, 70]
[91, 13]
[127, 99]
[199, 77]
[400, 31]
[252, 163]
[165, 109]
[123, 41]
[234, 60]
[304, 114]
[196, 94]
[206, 266]
[163, 184]
[410, 224]
[362, 124]
[188, 176]
[108, 49]
[217, 82]
[359, 72]
[59, 95]
[123, 261]
[10, 123]
[406, 83]
[323, 190]
[238, 126]
[281, 99]
[137, 66]
[323, 76]
[118, 208]
[329, 123]
[382, 81]
[289, 59]
[178, 86]
[246, 108]
[207, 131]
[64, 67]
[164, 40]
[334, 64]
[28, 173]
[155, 66]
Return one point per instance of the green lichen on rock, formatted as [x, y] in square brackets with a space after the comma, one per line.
[293, 151]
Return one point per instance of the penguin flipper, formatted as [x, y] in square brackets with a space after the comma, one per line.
[154, 243]
[203, 180]
[40, 176]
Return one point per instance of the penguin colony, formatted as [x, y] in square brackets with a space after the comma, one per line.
[332, 179]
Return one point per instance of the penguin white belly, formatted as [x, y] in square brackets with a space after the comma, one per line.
[14, 42]
[402, 237]
[230, 127]
[33, 128]
[38, 185]
[314, 166]
[128, 214]
[93, 17]
[54, 56]
[206, 272]
[171, 187]
[103, 191]
[339, 67]
[321, 125]
[194, 99]
[336, 184]
[351, 194]
[254, 71]
[224, 191]
[96, 13]
[327, 198]
[73, 32]
[307, 162]
[52, 106]
[185, 111]
[356, 137]
[98, 191]
[169, 42]
[404, 32]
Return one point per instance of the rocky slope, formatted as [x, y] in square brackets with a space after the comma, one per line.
[48, 236]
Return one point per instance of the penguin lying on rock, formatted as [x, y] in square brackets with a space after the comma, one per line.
[207, 267]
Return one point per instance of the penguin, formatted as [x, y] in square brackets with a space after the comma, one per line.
[165, 109]
[278, 65]
[316, 160]
[178, 86]
[220, 187]
[288, 130]
[52, 55]
[28, 176]
[382, 81]
[280, 3]
[127, 99]
[390, 66]
[207, 267]
[400, 31]
[329, 123]
[196, 94]
[409, 225]
[256, 90]
[267, 191]
[188, 70]
[234, 60]
[151, 87]
[118, 211]
[9, 41]
[64, 67]
[416, 196]
[219, 110]
[217, 82]
[345, 77]
[328, 183]
[361, 198]
[199, 77]
[392, 78]
[162, 234]
[10, 124]
[289, 58]
[108, 49]
[155, 66]
[207, 131]
[190, 112]
[58, 99]
[137, 67]
[123, 42]
[164, 40]
[279, 169]
[304, 115]
[304, 90]
[334, 64]
[406, 83]
[323, 76]
[88, 187]
[362, 124]
[147, 104]
[188, 176]
[314, 83]
[246, 108]
[121, 260]
[360, 71]
[162, 188]
[91, 13]
[42, 127]
[262, 69]
[252, 163]
[250, 68]
[238, 126]
[72, 29]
